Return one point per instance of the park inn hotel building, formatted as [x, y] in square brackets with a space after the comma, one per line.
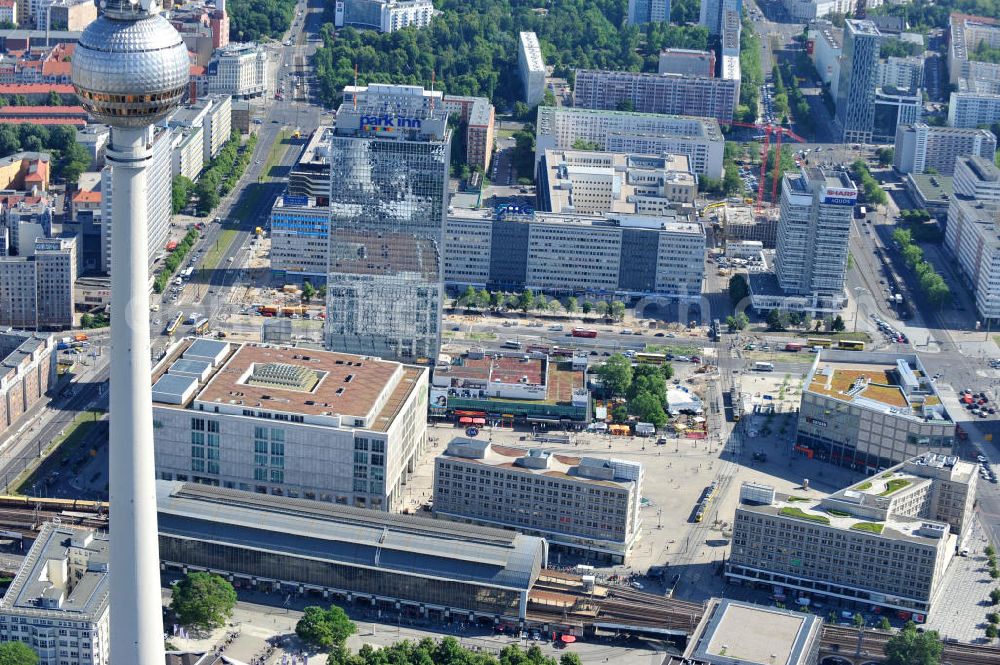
[330, 427]
[884, 541]
[389, 159]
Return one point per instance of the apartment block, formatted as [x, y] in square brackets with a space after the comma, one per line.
[885, 541]
[813, 228]
[583, 181]
[858, 74]
[384, 15]
[827, 48]
[300, 239]
[532, 68]
[648, 11]
[870, 410]
[975, 99]
[36, 291]
[920, 147]
[658, 93]
[574, 253]
[905, 74]
[479, 117]
[27, 371]
[584, 505]
[58, 602]
[282, 421]
[188, 153]
[686, 62]
[698, 139]
[213, 115]
[713, 14]
[972, 233]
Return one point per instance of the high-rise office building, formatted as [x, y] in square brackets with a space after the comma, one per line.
[389, 159]
[713, 13]
[813, 230]
[36, 291]
[858, 76]
[648, 11]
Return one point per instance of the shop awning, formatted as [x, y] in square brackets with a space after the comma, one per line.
[465, 420]
[568, 639]
[479, 421]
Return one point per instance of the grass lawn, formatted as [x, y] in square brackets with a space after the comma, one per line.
[863, 487]
[792, 511]
[847, 336]
[870, 527]
[798, 498]
[894, 486]
[505, 133]
[278, 150]
[676, 349]
[481, 336]
[222, 243]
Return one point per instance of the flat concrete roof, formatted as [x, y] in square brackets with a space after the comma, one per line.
[735, 632]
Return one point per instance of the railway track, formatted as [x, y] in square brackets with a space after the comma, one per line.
[870, 644]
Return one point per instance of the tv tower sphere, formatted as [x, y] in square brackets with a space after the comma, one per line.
[130, 68]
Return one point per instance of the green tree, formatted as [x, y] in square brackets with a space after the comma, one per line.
[776, 320]
[203, 600]
[619, 413]
[526, 300]
[54, 99]
[909, 647]
[838, 324]
[482, 299]
[468, 297]
[858, 620]
[990, 551]
[327, 628]
[993, 617]
[87, 320]
[617, 310]
[308, 291]
[616, 375]
[991, 632]
[208, 195]
[572, 305]
[648, 408]
[17, 653]
[884, 624]
[601, 308]
[738, 289]
[587, 307]
[995, 597]
[180, 191]
[497, 300]
[570, 659]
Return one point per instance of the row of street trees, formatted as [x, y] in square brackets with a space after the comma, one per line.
[529, 301]
[932, 285]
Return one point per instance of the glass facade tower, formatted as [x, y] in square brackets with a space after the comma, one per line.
[389, 161]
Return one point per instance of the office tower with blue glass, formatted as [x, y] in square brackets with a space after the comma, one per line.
[389, 160]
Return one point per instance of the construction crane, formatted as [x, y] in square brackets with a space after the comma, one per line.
[778, 131]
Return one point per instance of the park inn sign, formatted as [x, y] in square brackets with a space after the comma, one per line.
[389, 122]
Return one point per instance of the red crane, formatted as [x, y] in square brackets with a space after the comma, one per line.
[778, 130]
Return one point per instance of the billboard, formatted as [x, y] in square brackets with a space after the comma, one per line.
[338, 15]
[439, 400]
[840, 197]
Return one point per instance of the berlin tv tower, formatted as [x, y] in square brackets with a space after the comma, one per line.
[130, 69]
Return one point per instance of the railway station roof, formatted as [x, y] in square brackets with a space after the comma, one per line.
[406, 544]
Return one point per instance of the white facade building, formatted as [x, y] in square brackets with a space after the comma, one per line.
[532, 67]
[239, 70]
[699, 139]
[920, 147]
[36, 291]
[159, 174]
[813, 230]
[317, 425]
[188, 154]
[58, 603]
[384, 15]
[973, 231]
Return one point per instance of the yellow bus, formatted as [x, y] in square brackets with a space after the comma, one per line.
[819, 341]
[851, 345]
[172, 327]
[651, 358]
[201, 327]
